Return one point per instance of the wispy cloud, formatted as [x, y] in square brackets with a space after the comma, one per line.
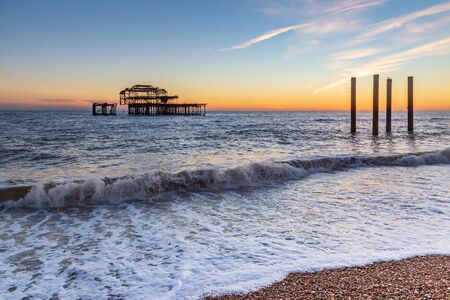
[320, 23]
[266, 36]
[312, 28]
[398, 22]
[341, 23]
[331, 25]
[346, 6]
[355, 54]
[305, 8]
[439, 47]
[416, 28]
[391, 62]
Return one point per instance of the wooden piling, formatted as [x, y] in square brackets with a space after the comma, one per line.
[353, 106]
[389, 105]
[375, 104]
[410, 105]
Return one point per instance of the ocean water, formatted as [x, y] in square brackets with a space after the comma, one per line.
[180, 207]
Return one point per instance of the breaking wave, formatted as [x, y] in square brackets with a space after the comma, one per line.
[114, 190]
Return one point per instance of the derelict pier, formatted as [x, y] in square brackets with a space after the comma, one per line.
[154, 101]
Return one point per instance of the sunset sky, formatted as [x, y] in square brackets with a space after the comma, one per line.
[233, 55]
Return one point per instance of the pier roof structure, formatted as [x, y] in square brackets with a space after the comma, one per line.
[150, 100]
[141, 94]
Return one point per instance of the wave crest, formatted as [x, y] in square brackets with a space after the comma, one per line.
[114, 190]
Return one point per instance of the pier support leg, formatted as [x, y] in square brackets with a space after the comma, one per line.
[389, 105]
[410, 105]
[353, 106]
[375, 104]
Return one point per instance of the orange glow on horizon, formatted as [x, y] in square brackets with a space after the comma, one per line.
[235, 105]
[428, 95]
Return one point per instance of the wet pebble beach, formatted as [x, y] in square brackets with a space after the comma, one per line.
[423, 277]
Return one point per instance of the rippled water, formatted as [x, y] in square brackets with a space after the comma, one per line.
[226, 202]
[59, 146]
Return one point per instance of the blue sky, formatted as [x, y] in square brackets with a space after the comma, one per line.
[298, 52]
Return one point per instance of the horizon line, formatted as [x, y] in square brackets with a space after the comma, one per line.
[230, 110]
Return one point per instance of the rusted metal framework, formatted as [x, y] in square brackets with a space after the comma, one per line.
[144, 94]
[104, 109]
[153, 101]
[158, 109]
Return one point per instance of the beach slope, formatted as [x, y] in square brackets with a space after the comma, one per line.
[422, 277]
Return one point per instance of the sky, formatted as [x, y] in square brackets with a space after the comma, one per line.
[231, 54]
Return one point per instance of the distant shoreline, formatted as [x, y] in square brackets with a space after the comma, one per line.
[420, 277]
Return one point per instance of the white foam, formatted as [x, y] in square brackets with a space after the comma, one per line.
[189, 244]
[101, 191]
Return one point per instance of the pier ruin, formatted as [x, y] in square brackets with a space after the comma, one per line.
[154, 101]
[104, 109]
[375, 107]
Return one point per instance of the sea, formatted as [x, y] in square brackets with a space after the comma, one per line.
[180, 207]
